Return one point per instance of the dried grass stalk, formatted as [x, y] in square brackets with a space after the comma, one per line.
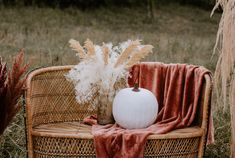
[89, 47]
[225, 46]
[12, 83]
[105, 51]
[143, 52]
[75, 45]
[3, 91]
[224, 74]
[127, 52]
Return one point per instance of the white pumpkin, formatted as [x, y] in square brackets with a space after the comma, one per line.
[135, 108]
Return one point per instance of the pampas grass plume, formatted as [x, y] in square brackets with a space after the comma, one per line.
[75, 45]
[127, 52]
[104, 70]
[12, 83]
[89, 47]
[143, 52]
[105, 50]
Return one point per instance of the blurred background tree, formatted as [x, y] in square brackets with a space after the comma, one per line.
[86, 4]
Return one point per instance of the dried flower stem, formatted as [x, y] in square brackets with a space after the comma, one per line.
[143, 52]
[75, 45]
[105, 50]
[12, 88]
[90, 47]
[127, 52]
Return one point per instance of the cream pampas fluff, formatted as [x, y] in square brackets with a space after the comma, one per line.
[103, 69]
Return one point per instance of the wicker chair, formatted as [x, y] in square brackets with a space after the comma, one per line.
[54, 129]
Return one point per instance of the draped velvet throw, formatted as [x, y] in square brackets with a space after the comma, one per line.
[177, 88]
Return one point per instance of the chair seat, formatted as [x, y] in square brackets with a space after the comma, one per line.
[73, 139]
[79, 130]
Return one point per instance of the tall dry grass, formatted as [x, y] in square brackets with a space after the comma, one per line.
[224, 74]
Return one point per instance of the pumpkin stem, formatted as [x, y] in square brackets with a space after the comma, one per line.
[136, 87]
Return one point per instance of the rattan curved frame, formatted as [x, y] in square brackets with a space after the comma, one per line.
[54, 129]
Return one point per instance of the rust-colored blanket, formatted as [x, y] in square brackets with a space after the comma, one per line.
[177, 88]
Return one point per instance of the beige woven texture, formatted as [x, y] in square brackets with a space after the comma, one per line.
[54, 128]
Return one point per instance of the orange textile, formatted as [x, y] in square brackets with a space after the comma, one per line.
[177, 88]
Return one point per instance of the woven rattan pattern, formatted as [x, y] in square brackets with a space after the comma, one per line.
[53, 100]
[57, 144]
[71, 147]
[63, 147]
[187, 147]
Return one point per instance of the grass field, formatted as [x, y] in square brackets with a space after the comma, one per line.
[179, 34]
